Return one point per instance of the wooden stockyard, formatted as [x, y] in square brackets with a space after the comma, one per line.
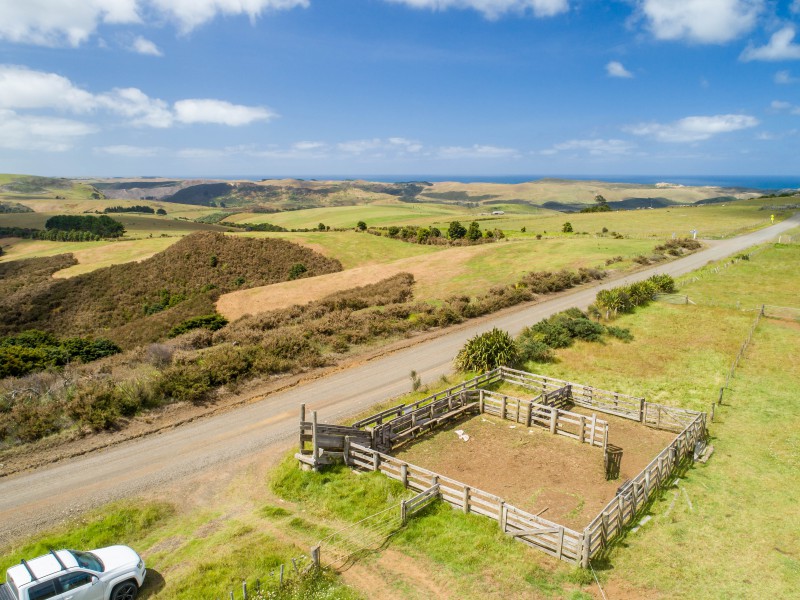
[368, 443]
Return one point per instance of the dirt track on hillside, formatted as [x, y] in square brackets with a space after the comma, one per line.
[32, 500]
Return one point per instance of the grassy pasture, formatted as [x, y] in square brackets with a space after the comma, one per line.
[353, 249]
[377, 214]
[711, 221]
[137, 226]
[439, 271]
[82, 205]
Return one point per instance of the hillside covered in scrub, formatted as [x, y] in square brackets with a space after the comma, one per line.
[140, 302]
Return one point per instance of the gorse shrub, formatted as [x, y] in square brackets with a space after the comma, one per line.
[35, 350]
[210, 322]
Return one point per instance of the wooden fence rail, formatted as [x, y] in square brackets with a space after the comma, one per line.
[550, 537]
[362, 446]
[624, 508]
[621, 405]
[586, 429]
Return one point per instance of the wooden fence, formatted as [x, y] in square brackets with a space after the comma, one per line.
[614, 403]
[547, 536]
[416, 421]
[362, 446]
[630, 500]
[586, 429]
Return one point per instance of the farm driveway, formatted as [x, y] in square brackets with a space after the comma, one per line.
[32, 500]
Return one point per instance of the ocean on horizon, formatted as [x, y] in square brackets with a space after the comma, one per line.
[750, 182]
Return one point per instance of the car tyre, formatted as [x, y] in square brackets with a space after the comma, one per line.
[125, 591]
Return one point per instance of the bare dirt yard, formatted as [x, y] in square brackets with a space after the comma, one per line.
[534, 470]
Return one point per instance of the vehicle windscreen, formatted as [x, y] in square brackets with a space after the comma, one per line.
[87, 560]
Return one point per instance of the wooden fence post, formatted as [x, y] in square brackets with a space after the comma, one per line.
[641, 410]
[403, 512]
[302, 420]
[315, 558]
[404, 474]
[480, 401]
[585, 549]
[582, 433]
[559, 549]
[503, 409]
[280, 577]
[346, 450]
[605, 438]
[503, 516]
[314, 447]
[591, 431]
[376, 461]
[530, 413]
[553, 418]
[466, 499]
[244, 590]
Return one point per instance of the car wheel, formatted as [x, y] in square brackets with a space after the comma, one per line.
[125, 591]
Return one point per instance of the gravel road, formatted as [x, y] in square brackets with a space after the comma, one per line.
[32, 500]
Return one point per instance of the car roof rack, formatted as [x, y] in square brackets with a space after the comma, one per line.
[58, 558]
[25, 564]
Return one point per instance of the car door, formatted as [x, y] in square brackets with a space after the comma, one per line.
[80, 585]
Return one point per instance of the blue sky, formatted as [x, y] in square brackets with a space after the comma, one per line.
[394, 87]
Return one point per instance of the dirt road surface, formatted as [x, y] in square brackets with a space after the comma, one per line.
[32, 500]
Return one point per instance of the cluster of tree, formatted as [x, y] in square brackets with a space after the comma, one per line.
[456, 233]
[600, 205]
[536, 343]
[103, 226]
[626, 298]
[136, 208]
[53, 235]
[35, 350]
[253, 226]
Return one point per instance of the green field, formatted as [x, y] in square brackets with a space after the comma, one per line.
[136, 226]
[345, 217]
[354, 249]
[711, 221]
[728, 530]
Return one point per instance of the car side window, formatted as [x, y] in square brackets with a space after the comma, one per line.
[43, 590]
[73, 581]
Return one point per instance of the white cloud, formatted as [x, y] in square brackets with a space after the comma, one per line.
[616, 69]
[361, 146]
[784, 77]
[701, 21]
[780, 47]
[142, 45]
[72, 22]
[304, 146]
[220, 112]
[61, 22]
[494, 9]
[22, 88]
[595, 147]
[192, 13]
[406, 145]
[476, 151]
[783, 106]
[129, 151]
[138, 107]
[694, 129]
[49, 134]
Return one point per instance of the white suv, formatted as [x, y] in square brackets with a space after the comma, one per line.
[113, 573]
